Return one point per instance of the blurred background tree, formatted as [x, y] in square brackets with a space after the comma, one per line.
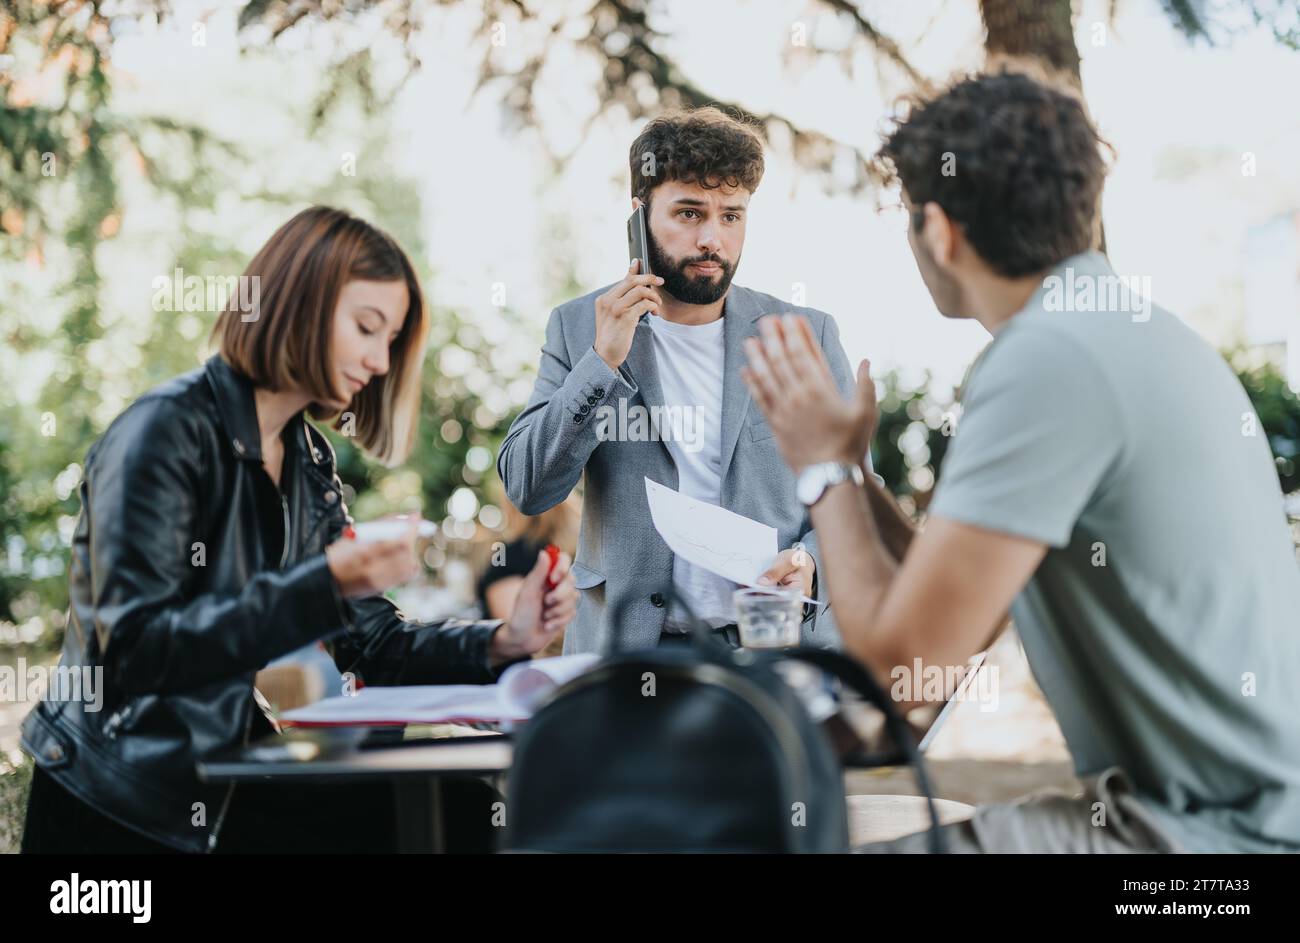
[65, 152]
[915, 428]
[1278, 408]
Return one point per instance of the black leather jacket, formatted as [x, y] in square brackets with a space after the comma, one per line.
[184, 582]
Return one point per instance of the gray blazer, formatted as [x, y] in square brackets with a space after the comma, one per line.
[620, 554]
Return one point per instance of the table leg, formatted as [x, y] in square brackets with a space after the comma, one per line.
[420, 825]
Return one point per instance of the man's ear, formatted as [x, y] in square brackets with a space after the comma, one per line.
[939, 234]
[636, 201]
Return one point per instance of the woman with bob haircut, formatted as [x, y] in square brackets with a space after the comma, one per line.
[211, 541]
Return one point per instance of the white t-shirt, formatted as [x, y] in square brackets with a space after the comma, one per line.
[690, 360]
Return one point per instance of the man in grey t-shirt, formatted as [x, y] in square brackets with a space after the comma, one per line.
[1162, 623]
[1109, 482]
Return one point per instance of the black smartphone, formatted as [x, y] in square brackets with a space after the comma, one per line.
[638, 245]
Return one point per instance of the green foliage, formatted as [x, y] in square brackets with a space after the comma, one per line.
[61, 150]
[1278, 408]
[1219, 23]
[15, 784]
[65, 222]
[62, 160]
[912, 438]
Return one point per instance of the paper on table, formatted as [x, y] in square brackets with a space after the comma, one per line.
[519, 692]
[721, 541]
[392, 528]
[524, 685]
[422, 704]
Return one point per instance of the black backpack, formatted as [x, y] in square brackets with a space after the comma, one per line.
[691, 748]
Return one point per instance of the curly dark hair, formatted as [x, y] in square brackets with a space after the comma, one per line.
[1012, 159]
[699, 145]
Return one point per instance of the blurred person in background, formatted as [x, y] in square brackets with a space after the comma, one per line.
[507, 568]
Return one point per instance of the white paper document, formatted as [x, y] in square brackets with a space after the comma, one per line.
[515, 697]
[721, 541]
[392, 528]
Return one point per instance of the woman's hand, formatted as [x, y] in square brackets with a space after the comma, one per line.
[540, 612]
[364, 568]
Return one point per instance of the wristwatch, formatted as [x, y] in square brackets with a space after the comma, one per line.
[815, 479]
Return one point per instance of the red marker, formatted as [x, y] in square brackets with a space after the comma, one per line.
[552, 558]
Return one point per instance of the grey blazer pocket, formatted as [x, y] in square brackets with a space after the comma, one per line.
[584, 577]
[759, 430]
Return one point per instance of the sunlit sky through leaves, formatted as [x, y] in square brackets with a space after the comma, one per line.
[1178, 208]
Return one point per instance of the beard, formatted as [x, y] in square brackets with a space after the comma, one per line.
[691, 290]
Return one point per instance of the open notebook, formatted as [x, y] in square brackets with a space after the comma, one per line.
[515, 697]
[519, 692]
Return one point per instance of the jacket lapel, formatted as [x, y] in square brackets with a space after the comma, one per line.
[641, 364]
[235, 401]
[740, 320]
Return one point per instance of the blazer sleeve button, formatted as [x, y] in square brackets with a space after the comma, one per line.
[657, 600]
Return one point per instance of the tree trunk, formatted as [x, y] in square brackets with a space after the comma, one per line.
[1036, 29]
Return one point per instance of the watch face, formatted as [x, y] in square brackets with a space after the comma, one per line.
[810, 485]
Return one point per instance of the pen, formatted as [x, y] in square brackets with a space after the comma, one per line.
[552, 558]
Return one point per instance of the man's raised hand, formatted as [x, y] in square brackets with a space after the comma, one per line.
[618, 311]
